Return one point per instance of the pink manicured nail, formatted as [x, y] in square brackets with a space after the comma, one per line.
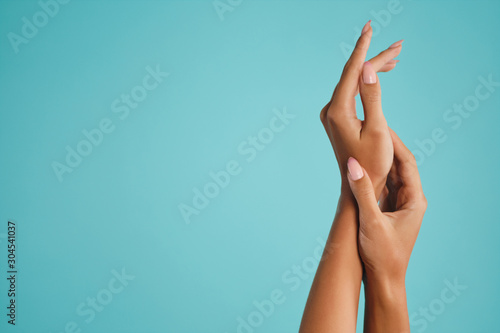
[366, 27]
[399, 42]
[369, 75]
[355, 170]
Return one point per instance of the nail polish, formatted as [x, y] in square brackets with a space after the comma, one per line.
[366, 27]
[369, 75]
[355, 170]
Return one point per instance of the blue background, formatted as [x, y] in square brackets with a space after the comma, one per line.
[120, 207]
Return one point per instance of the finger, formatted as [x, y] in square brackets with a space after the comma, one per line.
[386, 56]
[347, 87]
[362, 188]
[389, 66]
[407, 165]
[384, 61]
[369, 90]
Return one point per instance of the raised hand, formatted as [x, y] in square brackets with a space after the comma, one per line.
[333, 300]
[369, 140]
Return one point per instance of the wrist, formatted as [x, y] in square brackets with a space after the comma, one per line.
[394, 277]
[384, 284]
[385, 291]
[385, 305]
[378, 187]
[347, 201]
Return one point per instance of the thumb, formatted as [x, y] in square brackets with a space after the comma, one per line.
[362, 188]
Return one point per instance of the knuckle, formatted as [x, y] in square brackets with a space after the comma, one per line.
[410, 158]
[335, 116]
[361, 44]
[420, 203]
[378, 132]
[325, 113]
[365, 192]
[322, 114]
[372, 97]
[423, 202]
[332, 117]
[347, 65]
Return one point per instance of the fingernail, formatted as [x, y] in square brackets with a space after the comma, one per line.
[355, 170]
[366, 27]
[369, 75]
[399, 42]
[393, 61]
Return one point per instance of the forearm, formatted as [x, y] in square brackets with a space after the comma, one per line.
[332, 305]
[385, 305]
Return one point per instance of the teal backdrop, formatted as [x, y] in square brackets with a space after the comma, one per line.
[167, 171]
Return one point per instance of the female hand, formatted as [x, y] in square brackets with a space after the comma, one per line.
[369, 141]
[333, 300]
[386, 239]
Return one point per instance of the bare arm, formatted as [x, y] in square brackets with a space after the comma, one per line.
[385, 306]
[332, 305]
[333, 300]
[386, 238]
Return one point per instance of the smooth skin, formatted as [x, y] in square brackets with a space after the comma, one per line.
[332, 304]
[387, 234]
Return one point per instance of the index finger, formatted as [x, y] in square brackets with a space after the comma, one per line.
[346, 89]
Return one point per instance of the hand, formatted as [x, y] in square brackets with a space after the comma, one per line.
[333, 300]
[369, 141]
[386, 239]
